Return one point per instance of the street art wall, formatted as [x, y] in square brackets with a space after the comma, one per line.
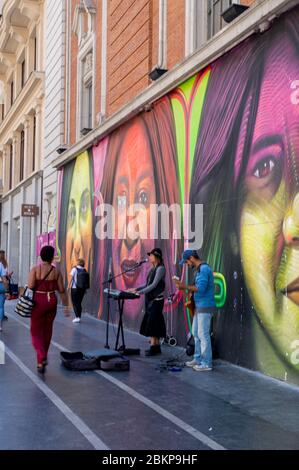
[227, 138]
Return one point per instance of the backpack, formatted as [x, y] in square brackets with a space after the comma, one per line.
[83, 281]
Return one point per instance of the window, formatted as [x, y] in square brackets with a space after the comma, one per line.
[86, 120]
[215, 21]
[10, 166]
[34, 143]
[12, 88]
[35, 53]
[89, 105]
[86, 92]
[5, 236]
[22, 155]
[23, 77]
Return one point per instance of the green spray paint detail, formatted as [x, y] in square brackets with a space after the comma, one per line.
[221, 293]
[180, 143]
[187, 104]
[195, 116]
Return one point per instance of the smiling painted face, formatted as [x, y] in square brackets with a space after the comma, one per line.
[79, 216]
[269, 228]
[134, 184]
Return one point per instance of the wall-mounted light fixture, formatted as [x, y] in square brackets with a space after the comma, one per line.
[232, 12]
[61, 149]
[85, 130]
[156, 73]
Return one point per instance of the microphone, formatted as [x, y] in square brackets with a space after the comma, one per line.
[143, 261]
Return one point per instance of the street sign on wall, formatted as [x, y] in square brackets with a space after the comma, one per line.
[30, 210]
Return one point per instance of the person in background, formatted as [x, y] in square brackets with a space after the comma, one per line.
[45, 280]
[153, 323]
[203, 291]
[6, 276]
[77, 292]
[3, 291]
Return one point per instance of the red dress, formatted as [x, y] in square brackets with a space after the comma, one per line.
[42, 317]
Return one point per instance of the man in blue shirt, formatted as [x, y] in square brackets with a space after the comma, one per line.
[203, 293]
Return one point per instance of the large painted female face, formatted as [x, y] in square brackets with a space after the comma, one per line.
[134, 184]
[79, 215]
[269, 229]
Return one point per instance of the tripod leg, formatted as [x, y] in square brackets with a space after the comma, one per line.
[107, 324]
[120, 329]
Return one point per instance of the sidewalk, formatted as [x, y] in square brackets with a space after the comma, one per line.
[145, 408]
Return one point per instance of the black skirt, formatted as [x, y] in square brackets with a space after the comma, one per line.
[153, 323]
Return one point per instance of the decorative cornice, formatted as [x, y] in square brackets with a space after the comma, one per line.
[30, 8]
[8, 59]
[19, 34]
[32, 86]
[78, 10]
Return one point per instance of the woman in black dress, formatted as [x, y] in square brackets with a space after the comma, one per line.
[153, 323]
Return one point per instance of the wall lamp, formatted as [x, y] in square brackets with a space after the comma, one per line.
[232, 12]
[156, 73]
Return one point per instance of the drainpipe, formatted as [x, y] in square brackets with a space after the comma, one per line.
[162, 34]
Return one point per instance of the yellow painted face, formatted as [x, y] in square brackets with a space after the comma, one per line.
[269, 229]
[79, 218]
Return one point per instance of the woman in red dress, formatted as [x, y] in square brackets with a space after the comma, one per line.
[45, 280]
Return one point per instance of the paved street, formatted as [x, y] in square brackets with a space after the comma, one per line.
[145, 408]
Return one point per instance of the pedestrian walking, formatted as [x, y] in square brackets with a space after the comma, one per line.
[45, 280]
[78, 285]
[3, 292]
[6, 277]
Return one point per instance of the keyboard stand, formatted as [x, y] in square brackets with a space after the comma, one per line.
[120, 331]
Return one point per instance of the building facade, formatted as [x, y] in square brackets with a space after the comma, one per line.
[219, 128]
[22, 75]
[31, 125]
[54, 120]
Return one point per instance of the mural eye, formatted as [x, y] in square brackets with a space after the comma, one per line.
[71, 217]
[143, 198]
[84, 205]
[264, 168]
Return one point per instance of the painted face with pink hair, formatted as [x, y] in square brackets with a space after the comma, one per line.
[133, 185]
[269, 225]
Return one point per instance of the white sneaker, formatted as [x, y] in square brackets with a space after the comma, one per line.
[200, 368]
[191, 363]
[76, 320]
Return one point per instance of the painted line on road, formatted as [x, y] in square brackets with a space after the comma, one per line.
[91, 437]
[203, 438]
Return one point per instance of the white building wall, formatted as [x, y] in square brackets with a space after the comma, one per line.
[19, 233]
[54, 104]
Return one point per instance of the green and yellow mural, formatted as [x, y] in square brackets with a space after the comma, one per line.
[227, 138]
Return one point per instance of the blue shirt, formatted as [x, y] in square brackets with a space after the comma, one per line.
[3, 271]
[204, 298]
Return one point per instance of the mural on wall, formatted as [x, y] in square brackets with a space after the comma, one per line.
[227, 138]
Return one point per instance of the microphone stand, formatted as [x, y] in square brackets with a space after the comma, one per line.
[109, 282]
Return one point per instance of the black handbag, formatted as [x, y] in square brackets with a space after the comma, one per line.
[26, 302]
